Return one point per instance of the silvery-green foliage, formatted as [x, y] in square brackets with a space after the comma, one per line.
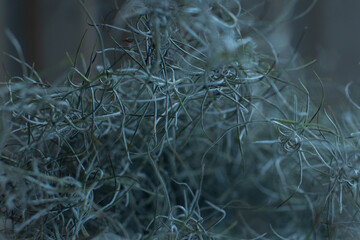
[184, 125]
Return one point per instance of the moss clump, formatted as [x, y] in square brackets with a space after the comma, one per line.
[189, 129]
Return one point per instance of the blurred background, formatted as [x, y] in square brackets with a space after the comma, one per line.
[326, 30]
[49, 30]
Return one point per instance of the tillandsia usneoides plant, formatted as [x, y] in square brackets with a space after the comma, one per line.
[185, 124]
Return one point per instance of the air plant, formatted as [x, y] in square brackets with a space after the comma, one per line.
[190, 129]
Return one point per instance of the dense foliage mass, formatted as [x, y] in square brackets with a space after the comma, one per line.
[184, 124]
